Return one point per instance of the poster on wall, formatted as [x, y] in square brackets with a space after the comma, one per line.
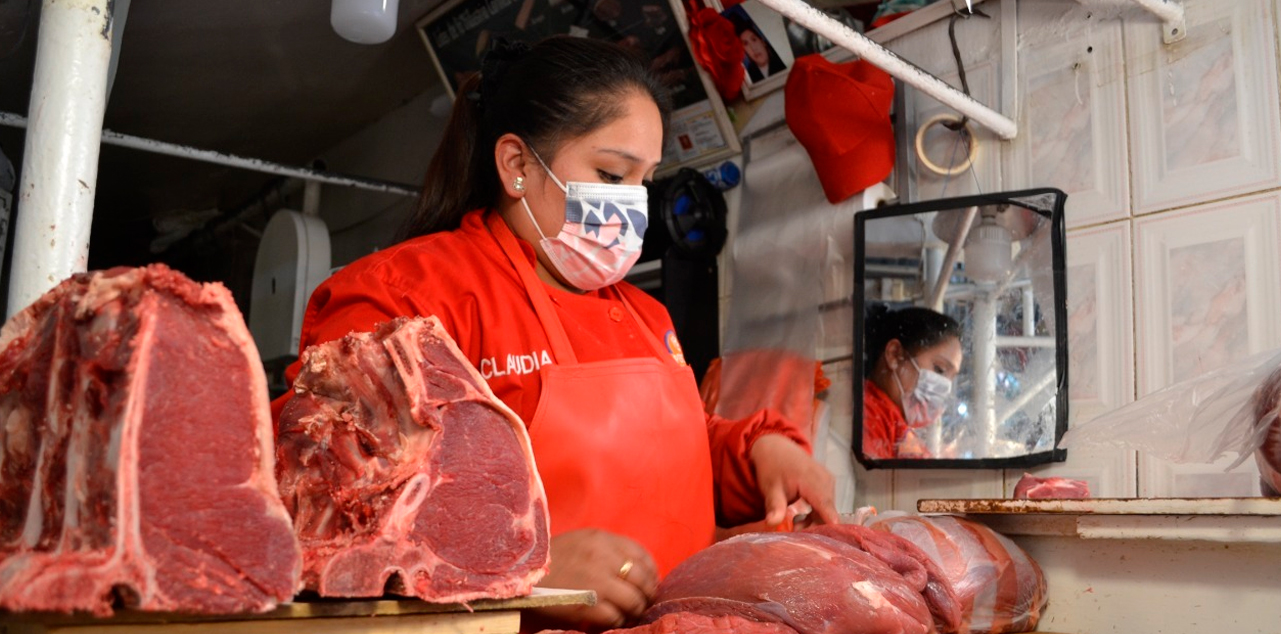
[458, 33]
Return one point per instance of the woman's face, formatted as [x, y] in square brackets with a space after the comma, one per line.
[624, 151]
[754, 46]
[944, 358]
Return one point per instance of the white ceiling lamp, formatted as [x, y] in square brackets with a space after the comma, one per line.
[989, 249]
[364, 21]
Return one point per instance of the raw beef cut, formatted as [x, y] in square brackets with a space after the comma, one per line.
[690, 623]
[1000, 588]
[405, 474]
[1267, 420]
[1031, 487]
[136, 454]
[917, 569]
[809, 582]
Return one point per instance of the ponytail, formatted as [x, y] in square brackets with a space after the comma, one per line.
[448, 190]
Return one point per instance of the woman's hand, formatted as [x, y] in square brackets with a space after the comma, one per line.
[620, 570]
[786, 473]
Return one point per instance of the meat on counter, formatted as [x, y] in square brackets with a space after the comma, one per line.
[404, 472]
[136, 453]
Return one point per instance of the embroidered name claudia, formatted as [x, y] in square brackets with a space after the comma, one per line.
[517, 364]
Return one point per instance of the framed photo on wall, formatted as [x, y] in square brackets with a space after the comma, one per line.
[458, 33]
[772, 43]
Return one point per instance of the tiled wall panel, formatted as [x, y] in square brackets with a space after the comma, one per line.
[1071, 110]
[1204, 119]
[1208, 293]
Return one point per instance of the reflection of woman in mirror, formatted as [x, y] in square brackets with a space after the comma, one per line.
[913, 356]
[759, 58]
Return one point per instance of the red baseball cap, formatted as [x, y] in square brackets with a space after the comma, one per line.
[841, 115]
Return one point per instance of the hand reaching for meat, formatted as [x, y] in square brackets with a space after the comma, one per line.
[619, 570]
[786, 473]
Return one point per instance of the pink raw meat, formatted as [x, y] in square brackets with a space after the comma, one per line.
[404, 473]
[1267, 414]
[917, 569]
[135, 452]
[689, 623]
[1031, 487]
[812, 583]
[1000, 588]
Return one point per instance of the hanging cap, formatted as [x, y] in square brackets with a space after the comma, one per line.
[841, 115]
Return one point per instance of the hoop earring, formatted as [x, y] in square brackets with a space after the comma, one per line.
[519, 184]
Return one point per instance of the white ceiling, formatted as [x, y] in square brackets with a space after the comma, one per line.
[260, 78]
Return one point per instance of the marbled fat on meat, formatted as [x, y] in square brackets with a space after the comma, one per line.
[404, 472]
[136, 454]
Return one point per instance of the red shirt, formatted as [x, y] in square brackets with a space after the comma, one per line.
[883, 424]
[464, 279]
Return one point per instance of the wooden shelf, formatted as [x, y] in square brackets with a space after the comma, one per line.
[1227, 520]
[1108, 506]
[322, 616]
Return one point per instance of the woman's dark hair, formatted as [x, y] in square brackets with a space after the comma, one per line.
[559, 89]
[915, 328]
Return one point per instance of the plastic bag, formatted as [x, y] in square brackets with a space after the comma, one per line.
[1000, 588]
[1194, 421]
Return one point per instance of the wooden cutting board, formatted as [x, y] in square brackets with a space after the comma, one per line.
[321, 617]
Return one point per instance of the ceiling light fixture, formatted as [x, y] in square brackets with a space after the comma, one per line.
[364, 21]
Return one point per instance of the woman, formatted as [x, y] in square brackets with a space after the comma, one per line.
[532, 212]
[913, 357]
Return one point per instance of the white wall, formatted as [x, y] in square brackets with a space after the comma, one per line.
[396, 148]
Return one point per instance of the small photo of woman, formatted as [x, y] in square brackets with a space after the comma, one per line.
[760, 58]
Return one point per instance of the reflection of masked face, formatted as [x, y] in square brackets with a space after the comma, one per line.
[927, 400]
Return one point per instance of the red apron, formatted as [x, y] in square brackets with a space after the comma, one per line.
[620, 445]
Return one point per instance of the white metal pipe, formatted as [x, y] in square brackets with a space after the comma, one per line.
[954, 247]
[60, 157]
[311, 198]
[1032, 389]
[983, 340]
[1026, 342]
[231, 160]
[817, 21]
[1029, 312]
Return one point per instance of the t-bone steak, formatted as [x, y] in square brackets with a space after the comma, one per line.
[405, 474]
[136, 454]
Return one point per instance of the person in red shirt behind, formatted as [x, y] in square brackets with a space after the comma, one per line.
[913, 356]
[532, 212]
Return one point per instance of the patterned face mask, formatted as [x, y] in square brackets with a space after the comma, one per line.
[603, 231]
[927, 401]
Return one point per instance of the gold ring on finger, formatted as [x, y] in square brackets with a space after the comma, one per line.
[625, 569]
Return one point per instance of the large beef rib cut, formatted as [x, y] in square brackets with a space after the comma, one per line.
[136, 454]
[405, 474]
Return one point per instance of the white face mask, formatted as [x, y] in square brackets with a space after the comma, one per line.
[603, 231]
[927, 401]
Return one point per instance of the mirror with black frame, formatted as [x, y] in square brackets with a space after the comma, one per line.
[960, 332]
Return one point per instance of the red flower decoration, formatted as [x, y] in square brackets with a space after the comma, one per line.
[717, 48]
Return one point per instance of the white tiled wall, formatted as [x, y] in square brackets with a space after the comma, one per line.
[1170, 156]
